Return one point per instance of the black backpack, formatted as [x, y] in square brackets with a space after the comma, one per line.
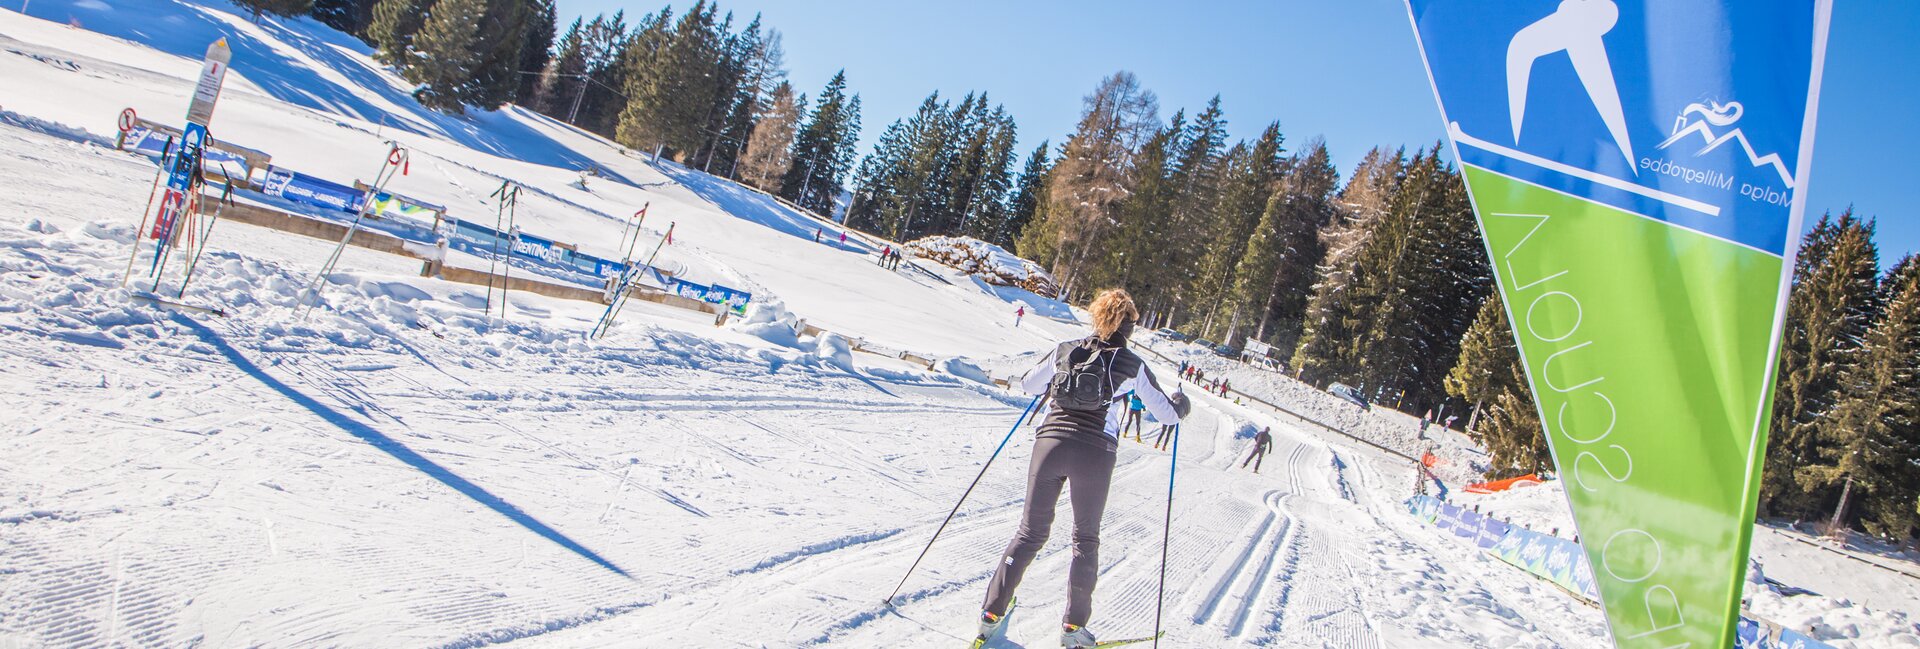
[1083, 377]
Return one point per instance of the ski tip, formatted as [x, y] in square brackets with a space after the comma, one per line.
[164, 303]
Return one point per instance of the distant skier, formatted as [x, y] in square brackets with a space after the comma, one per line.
[843, 238]
[1166, 435]
[1075, 448]
[1262, 444]
[1135, 410]
[817, 233]
[886, 254]
[1018, 314]
[1225, 385]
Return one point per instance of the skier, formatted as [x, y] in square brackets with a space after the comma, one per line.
[843, 238]
[1166, 435]
[1018, 314]
[1075, 447]
[1135, 410]
[817, 232]
[1262, 444]
[1224, 386]
[886, 253]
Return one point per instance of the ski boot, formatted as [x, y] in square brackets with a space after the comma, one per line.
[992, 626]
[1076, 637]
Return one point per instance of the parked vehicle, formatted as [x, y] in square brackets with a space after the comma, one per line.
[1204, 343]
[1172, 335]
[1226, 352]
[1347, 392]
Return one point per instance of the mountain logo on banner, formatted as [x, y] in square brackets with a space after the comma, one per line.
[1567, 95]
[1714, 114]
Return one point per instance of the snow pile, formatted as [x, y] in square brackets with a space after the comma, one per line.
[833, 350]
[986, 261]
[965, 369]
[768, 319]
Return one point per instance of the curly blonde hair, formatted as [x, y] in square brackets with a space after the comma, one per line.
[1111, 309]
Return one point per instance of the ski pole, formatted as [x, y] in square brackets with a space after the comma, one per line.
[1166, 534]
[226, 198]
[148, 211]
[396, 161]
[963, 499]
[620, 297]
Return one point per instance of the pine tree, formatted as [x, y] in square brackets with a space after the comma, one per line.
[535, 52]
[1136, 255]
[1869, 442]
[500, 46]
[1402, 305]
[760, 59]
[671, 93]
[610, 48]
[1027, 196]
[1276, 274]
[1196, 179]
[823, 149]
[564, 76]
[769, 150]
[1090, 180]
[986, 206]
[1246, 185]
[350, 16]
[1489, 375]
[443, 58]
[394, 24]
[1832, 303]
[1325, 349]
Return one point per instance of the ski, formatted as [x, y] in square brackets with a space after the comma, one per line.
[981, 641]
[164, 303]
[1122, 643]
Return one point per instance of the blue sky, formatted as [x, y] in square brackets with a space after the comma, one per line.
[1345, 70]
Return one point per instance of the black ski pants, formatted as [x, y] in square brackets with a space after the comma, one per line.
[1088, 470]
[1166, 431]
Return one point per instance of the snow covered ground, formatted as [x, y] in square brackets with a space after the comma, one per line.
[399, 469]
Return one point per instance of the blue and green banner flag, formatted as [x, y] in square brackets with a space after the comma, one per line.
[1638, 169]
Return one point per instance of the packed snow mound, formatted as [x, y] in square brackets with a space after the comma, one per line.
[987, 261]
[833, 350]
[770, 320]
[966, 369]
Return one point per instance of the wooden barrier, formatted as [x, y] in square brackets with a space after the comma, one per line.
[377, 241]
[267, 217]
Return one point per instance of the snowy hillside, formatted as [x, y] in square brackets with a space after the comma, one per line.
[401, 469]
[313, 99]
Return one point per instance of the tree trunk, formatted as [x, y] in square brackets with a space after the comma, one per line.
[1233, 327]
[1834, 528]
[1475, 417]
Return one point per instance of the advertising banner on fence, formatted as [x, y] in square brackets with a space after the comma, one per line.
[308, 190]
[1638, 170]
[219, 157]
